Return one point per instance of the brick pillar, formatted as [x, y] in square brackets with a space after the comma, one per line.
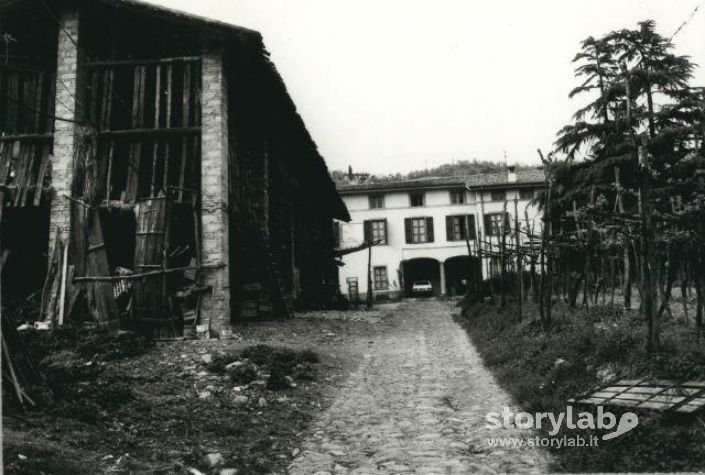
[214, 192]
[67, 89]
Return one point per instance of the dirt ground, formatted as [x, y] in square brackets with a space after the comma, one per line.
[170, 410]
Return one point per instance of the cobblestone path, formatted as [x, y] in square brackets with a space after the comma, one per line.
[416, 404]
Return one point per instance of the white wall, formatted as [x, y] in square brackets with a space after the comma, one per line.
[437, 206]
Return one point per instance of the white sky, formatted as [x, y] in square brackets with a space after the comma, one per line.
[394, 85]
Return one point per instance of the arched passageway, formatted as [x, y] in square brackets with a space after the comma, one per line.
[460, 274]
[423, 268]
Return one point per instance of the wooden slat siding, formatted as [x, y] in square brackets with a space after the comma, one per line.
[24, 86]
[50, 103]
[38, 103]
[30, 173]
[165, 300]
[149, 250]
[93, 113]
[20, 169]
[5, 161]
[167, 124]
[105, 123]
[137, 122]
[43, 167]
[186, 99]
[108, 80]
[13, 103]
[101, 300]
[155, 145]
[109, 174]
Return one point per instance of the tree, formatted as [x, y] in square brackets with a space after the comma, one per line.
[641, 139]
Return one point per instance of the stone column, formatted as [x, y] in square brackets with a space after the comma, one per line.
[214, 193]
[442, 268]
[66, 112]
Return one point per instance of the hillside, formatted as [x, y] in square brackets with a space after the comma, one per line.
[459, 168]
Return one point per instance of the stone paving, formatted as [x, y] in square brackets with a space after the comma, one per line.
[416, 404]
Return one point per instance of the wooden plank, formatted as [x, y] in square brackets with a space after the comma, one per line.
[5, 161]
[167, 124]
[133, 172]
[93, 115]
[43, 167]
[185, 110]
[101, 301]
[109, 174]
[13, 102]
[38, 103]
[143, 62]
[29, 173]
[20, 172]
[155, 146]
[23, 124]
[51, 103]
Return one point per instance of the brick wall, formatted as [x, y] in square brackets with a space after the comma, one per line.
[67, 87]
[214, 191]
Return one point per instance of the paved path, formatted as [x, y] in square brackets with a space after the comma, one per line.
[416, 404]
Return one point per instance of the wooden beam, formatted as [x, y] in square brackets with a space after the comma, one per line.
[142, 62]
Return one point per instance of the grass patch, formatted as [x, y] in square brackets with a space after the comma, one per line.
[582, 349]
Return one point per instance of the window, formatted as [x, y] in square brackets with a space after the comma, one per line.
[498, 195]
[418, 230]
[459, 227]
[525, 194]
[380, 278]
[376, 201]
[493, 224]
[376, 231]
[457, 197]
[416, 199]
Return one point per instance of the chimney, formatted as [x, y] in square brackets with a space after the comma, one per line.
[511, 174]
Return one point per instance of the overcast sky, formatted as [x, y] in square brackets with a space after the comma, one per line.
[395, 85]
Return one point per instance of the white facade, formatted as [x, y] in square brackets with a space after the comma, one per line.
[450, 256]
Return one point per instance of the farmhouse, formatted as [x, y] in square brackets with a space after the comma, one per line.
[446, 230]
[160, 161]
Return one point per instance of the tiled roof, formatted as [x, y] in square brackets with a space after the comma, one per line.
[530, 176]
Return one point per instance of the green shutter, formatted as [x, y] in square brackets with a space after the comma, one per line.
[407, 230]
[449, 228]
[470, 220]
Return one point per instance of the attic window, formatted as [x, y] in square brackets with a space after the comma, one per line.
[526, 194]
[416, 199]
[457, 197]
[376, 201]
[498, 195]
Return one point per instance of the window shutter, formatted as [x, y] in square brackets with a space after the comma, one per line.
[367, 231]
[386, 236]
[449, 228]
[407, 230]
[507, 224]
[470, 220]
[429, 229]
